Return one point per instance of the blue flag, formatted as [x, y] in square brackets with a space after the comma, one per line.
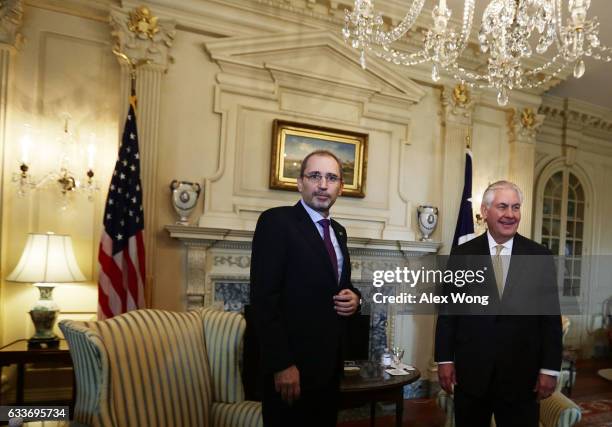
[465, 222]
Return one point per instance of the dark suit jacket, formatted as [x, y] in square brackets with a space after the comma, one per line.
[501, 348]
[292, 289]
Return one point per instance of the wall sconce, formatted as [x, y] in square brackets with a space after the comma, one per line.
[71, 155]
[479, 221]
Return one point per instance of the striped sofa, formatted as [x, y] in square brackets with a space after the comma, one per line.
[154, 368]
[555, 411]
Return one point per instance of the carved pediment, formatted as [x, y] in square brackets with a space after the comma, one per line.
[307, 57]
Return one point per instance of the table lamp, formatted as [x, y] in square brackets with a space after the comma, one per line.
[47, 259]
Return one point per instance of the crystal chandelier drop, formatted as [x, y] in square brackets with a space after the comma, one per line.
[507, 32]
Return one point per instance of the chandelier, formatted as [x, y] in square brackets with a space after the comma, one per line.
[508, 32]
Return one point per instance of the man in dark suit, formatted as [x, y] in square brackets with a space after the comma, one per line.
[500, 364]
[301, 294]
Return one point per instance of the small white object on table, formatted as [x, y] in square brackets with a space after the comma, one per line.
[400, 369]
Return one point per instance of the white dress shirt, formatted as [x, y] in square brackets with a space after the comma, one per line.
[506, 253]
[316, 217]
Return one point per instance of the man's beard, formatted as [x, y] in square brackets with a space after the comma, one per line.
[322, 205]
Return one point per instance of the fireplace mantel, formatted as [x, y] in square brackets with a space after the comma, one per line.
[241, 239]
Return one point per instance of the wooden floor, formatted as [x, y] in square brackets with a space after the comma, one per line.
[425, 413]
[417, 413]
[589, 385]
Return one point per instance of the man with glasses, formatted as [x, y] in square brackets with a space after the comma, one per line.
[301, 295]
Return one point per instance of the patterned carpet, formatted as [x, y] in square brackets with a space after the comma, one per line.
[417, 413]
[596, 413]
[424, 413]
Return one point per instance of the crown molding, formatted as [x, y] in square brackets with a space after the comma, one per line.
[96, 10]
[577, 123]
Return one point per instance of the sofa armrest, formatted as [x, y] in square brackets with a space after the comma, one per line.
[92, 377]
[224, 335]
[559, 411]
[243, 414]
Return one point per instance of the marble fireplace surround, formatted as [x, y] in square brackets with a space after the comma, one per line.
[217, 263]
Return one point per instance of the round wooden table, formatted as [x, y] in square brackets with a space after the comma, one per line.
[372, 384]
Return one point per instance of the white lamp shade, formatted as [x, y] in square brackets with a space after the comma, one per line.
[47, 258]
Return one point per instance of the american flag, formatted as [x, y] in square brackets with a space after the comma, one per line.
[121, 254]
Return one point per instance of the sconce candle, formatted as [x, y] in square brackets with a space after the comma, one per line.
[26, 144]
[91, 154]
[91, 151]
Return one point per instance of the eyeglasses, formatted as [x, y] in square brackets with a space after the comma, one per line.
[316, 177]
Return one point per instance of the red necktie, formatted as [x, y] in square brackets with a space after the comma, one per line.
[329, 246]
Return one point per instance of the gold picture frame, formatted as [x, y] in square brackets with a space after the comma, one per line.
[292, 141]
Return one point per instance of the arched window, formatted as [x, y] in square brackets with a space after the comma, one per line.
[562, 229]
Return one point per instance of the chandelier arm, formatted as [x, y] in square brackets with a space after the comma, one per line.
[545, 67]
[559, 28]
[607, 51]
[398, 57]
[536, 83]
[397, 32]
[529, 80]
[466, 28]
[470, 78]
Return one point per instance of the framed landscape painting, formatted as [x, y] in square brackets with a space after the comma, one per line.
[292, 141]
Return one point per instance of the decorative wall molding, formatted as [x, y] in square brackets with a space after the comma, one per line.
[140, 35]
[225, 238]
[573, 123]
[96, 10]
[291, 76]
[578, 115]
[457, 105]
[523, 125]
[11, 18]
[242, 56]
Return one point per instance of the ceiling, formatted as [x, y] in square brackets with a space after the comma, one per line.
[595, 86]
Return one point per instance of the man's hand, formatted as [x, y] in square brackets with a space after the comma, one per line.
[545, 386]
[446, 376]
[287, 383]
[346, 302]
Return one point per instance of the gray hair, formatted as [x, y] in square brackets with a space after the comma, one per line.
[489, 194]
